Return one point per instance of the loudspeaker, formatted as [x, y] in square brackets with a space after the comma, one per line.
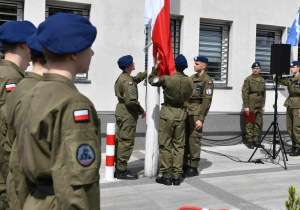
[280, 59]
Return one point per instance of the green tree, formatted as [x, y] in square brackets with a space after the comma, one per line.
[293, 203]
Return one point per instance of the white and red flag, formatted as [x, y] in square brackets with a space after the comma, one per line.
[157, 13]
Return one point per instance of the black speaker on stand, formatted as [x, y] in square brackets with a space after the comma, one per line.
[280, 64]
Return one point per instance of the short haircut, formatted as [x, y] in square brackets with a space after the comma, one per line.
[9, 47]
[40, 60]
[179, 68]
[53, 57]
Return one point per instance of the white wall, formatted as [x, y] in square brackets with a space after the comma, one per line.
[121, 32]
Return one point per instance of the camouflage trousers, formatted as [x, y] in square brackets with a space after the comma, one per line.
[125, 133]
[192, 147]
[253, 128]
[171, 137]
[293, 126]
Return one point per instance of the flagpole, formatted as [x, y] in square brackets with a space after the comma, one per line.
[152, 121]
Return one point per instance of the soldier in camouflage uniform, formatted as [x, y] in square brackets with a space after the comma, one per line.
[127, 111]
[293, 106]
[254, 97]
[171, 137]
[13, 36]
[197, 109]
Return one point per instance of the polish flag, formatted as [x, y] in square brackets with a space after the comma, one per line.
[81, 115]
[10, 87]
[157, 13]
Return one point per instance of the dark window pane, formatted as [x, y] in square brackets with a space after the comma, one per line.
[10, 10]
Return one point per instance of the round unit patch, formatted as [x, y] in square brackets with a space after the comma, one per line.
[155, 80]
[85, 155]
[133, 91]
[208, 91]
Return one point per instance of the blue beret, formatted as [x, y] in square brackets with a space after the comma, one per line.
[295, 63]
[66, 33]
[35, 46]
[255, 64]
[181, 61]
[16, 31]
[201, 59]
[125, 61]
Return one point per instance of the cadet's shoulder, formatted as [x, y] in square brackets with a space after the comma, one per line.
[193, 76]
[207, 78]
[248, 78]
[9, 72]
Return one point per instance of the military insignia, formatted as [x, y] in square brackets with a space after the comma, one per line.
[296, 83]
[245, 80]
[133, 91]
[291, 64]
[210, 82]
[10, 87]
[256, 64]
[208, 91]
[85, 155]
[130, 83]
[81, 115]
[244, 86]
[198, 87]
[263, 83]
[155, 80]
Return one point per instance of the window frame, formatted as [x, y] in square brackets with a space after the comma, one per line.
[19, 13]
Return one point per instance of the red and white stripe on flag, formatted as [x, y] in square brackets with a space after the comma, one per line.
[81, 115]
[10, 87]
[157, 12]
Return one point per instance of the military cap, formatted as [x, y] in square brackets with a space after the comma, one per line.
[201, 59]
[16, 31]
[66, 33]
[295, 63]
[125, 61]
[181, 61]
[35, 46]
[255, 64]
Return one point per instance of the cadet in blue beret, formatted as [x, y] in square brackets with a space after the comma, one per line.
[292, 104]
[13, 35]
[127, 111]
[197, 109]
[177, 90]
[16, 181]
[60, 124]
[254, 97]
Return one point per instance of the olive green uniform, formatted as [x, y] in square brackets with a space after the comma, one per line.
[254, 97]
[127, 111]
[17, 190]
[293, 105]
[58, 136]
[197, 109]
[171, 136]
[10, 76]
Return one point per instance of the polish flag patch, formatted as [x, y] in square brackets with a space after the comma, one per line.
[130, 83]
[81, 115]
[10, 87]
[210, 82]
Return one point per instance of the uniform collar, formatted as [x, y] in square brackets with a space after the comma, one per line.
[33, 75]
[4, 62]
[200, 78]
[178, 73]
[296, 78]
[58, 78]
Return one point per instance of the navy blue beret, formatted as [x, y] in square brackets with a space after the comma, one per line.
[255, 64]
[201, 59]
[16, 31]
[295, 63]
[125, 61]
[181, 61]
[66, 33]
[35, 46]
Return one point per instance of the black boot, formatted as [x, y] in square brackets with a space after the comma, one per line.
[256, 143]
[162, 180]
[290, 151]
[296, 152]
[176, 182]
[192, 172]
[125, 175]
[250, 145]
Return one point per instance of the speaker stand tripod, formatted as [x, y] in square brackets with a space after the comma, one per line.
[276, 133]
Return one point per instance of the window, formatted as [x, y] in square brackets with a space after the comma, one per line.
[214, 44]
[264, 39]
[82, 11]
[175, 35]
[10, 10]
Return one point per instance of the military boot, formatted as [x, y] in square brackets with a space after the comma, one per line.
[250, 145]
[162, 180]
[296, 152]
[176, 182]
[192, 172]
[290, 151]
[125, 175]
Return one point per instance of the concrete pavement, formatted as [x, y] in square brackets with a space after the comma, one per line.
[224, 182]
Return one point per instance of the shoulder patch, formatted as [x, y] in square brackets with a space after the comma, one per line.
[208, 91]
[210, 82]
[130, 83]
[10, 87]
[198, 87]
[133, 91]
[85, 155]
[263, 83]
[244, 86]
[155, 80]
[81, 115]
[245, 80]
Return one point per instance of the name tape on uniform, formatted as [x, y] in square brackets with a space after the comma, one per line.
[81, 115]
[10, 87]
